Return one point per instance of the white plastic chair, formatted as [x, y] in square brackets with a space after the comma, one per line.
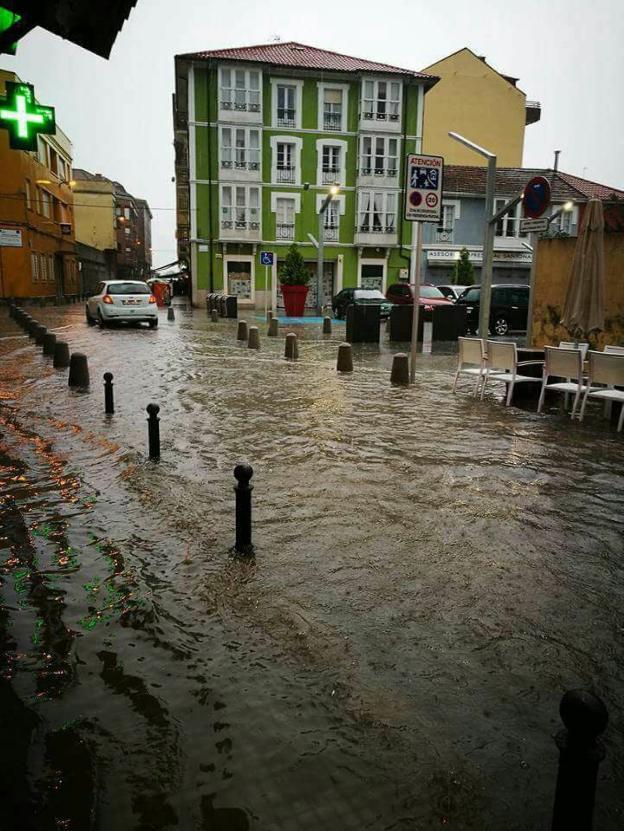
[471, 361]
[563, 363]
[570, 344]
[502, 365]
[607, 369]
[614, 350]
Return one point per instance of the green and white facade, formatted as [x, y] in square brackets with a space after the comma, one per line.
[262, 133]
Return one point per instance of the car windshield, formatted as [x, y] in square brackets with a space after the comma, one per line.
[472, 295]
[431, 293]
[128, 288]
[369, 294]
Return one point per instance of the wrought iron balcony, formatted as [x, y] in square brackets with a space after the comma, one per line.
[286, 174]
[330, 233]
[332, 121]
[330, 177]
[444, 235]
[285, 230]
[365, 228]
[285, 118]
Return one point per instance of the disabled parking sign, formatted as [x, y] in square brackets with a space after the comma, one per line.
[266, 257]
[423, 188]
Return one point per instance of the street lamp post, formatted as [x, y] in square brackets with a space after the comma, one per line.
[333, 191]
[488, 232]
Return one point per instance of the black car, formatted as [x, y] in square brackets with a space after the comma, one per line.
[370, 296]
[509, 308]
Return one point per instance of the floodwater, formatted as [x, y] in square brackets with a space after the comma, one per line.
[431, 574]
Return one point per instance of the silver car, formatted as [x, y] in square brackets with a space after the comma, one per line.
[128, 301]
[452, 292]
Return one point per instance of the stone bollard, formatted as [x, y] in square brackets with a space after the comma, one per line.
[170, 313]
[49, 342]
[580, 752]
[153, 430]
[78, 370]
[40, 333]
[214, 316]
[345, 358]
[327, 325]
[291, 348]
[273, 328]
[11, 309]
[254, 338]
[241, 332]
[61, 355]
[109, 403]
[400, 370]
[269, 316]
[243, 489]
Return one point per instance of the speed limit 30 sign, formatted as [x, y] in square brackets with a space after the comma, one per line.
[423, 188]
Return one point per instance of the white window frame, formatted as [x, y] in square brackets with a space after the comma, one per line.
[444, 233]
[371, 193]
[34, 266]
[344, 89]
[377, 118]
[248, 106]
[295, 199]
[373, 261]
[250, 165]
[569, 219]
[233, 206]
[240, 258]
[342, 172]
[287, 82]
[339, 201]
[298, 146]
[515, 215]
[387, 156]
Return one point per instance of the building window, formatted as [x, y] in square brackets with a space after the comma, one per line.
[34, 267]
[27, 190]
[50, 268]
[331, 221]
[285, 152]
[45, 203]
[566, 222]
[332, 109]
[240, 208]
[239, 278]
[286, 105]
[444, 233]
[372, 276]
[284, 218]
[379, 156]
[42, 151]
[381, 100]
[330, 165]
[509, 225]
[240, 149]
[240, 90]
[126, 212]
[377, 212]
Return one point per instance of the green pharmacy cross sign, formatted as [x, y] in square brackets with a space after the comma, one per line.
[23, 117]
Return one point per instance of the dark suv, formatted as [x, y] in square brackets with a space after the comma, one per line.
[509, 307]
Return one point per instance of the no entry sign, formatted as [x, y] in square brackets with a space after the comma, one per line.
[423, 188]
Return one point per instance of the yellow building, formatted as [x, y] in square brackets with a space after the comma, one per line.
[95, 210]
[478, 102]
[37, 247]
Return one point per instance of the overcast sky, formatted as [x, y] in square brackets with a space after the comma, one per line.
[568, 54]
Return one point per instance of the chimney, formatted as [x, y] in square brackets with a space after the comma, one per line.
[556, 164]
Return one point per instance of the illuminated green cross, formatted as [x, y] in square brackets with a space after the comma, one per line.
[23, 117]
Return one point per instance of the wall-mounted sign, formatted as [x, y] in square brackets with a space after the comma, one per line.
[9, 238]
[447, 256]
[23, 117]
[533, 226]
[423, 188]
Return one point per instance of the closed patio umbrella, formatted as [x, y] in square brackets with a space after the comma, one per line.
[583, 309]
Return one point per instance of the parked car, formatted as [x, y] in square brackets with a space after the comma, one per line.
[452, 292]
[129, 301]
[401, 294]
[370, 296]
[509, 308]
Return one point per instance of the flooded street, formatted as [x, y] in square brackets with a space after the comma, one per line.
[431, 574]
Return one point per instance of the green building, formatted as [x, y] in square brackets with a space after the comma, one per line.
[261, 135]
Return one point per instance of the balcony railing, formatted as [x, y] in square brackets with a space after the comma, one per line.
[375, 115]
[239, 223]
[285, 118]
[240, 106]
[444, 235]
[332, 121]
[228, 164]
[389, 171]
[365, 228]
[330, 233]
[285, 230]
[286, 174]
[330, 177]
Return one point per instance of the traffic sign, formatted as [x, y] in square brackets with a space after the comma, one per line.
[23, 117]
[423, 188]
[536, 197]
[534, 226]
[266, 257]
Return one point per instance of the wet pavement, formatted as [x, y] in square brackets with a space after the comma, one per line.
[432, 572]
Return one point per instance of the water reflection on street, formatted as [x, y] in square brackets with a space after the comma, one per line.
[432, 572]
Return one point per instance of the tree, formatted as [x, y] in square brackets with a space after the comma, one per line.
[294, 271]
[463, 273]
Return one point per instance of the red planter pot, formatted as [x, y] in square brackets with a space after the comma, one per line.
[294, 299]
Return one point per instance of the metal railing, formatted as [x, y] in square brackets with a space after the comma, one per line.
[286, 174]
[285, 230]
[444, 235]
[330, 233]
[365, 228]
[285, 118]
[371, 170]
[330, 177]
[332, 121]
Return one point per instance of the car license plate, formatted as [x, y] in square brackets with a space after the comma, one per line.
[469, 308]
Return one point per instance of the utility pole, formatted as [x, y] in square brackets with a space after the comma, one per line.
[333, 191]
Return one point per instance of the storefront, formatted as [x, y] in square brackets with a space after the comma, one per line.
[511, 265]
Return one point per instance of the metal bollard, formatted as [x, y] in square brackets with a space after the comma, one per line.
[61, 355]
[241, 332]
[170, 313]
[39, 334]
[109, 403]
[580, 752]
[214, 316]
[400, 370]
[78, 370]
[254, 338]
[327, 325]
[273, 328]
[153, 430]
[345, 358]
[291, 347]
[31, 326]
[243, 489]
[49, 342]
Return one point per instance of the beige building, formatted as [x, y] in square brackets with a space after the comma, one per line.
[485, 106]
[95, 210]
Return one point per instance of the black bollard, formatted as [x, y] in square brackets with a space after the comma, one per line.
[109, 404]
[78, 370]
[40, 333]
[49, 342]
[61, 355]
[580, 752]
[31, 326]
[170, 313]
[242, 488]
[153, 430]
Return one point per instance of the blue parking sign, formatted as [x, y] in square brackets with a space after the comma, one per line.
[266, 257]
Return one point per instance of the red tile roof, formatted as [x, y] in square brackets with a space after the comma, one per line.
[300, 56]
[511, 180]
